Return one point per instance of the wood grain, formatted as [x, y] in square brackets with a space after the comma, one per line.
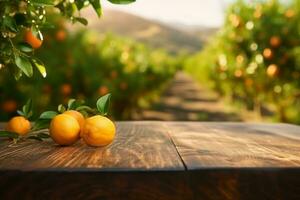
[232, 161]
[160, 160]
[245, 184]
[142, 185]
[236, 145]
[137, 146]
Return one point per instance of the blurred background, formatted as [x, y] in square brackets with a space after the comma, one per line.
[217, 60]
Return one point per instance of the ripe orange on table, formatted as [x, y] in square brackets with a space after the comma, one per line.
[98, 131]
[18, 125]
[78, 116]
[64, 129]
[32, 39]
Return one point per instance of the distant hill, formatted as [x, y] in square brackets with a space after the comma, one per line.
[206, 33]
[202, 32]
[153, 33]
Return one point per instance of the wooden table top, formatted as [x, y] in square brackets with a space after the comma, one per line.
[199, 153]
[166, 146]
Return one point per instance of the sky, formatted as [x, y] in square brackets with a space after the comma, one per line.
[189, 12]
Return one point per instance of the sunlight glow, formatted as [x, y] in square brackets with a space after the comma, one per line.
[189, 12]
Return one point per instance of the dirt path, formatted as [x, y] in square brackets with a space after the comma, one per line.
[185, 100]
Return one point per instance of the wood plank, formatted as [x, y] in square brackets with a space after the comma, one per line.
[231, 161]
[138, 146]
[234, 145]
[245, 183]
[222, 161]
[141, 164]
[129, 185]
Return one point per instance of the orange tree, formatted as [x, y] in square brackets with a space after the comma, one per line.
[254, 58]
[21, 26]
[86, 65]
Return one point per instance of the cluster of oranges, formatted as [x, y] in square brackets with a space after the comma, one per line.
[69, 127]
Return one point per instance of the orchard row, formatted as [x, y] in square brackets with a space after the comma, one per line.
[254, 58]
[86, 65]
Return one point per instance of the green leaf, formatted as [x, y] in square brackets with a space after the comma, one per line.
[43, 2]
[24, 64]
[40, 66]
[48, 115]
[8, 134]
[23, 46]
[20, 19]
[81, 20]
[33, 137]
[37, 33]
[61, 108]
[10, 23]
[17, 73]
[71, 104]
[79, 4]
[103, 104]
[47, 25]
[20, 112]
[41, 124]
[27, 109]
[85, 108]
[121, 1]
[97, 6]
[43, 135]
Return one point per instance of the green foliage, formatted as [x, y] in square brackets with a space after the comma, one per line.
[19, 16]
[254, 58]
[26, 110]
[86, 65]
[103, 104]
[48, 115]
[8, 134]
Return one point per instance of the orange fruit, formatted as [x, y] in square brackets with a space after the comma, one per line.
[289, 13]
[123, 86]
[31, 39]
[272, 70]
[257, 14]
[18, 125]
[60, 35]
[47, 89]
[103, 90]
[268, 54]
[98, 131]
[78, 116]
[9, 106]
[238, 73]
[235, 20]
[66, 89]
[113, 74]
[248, 82]
[64, 129]
[275, 41]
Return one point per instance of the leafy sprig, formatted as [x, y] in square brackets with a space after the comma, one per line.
[17, 16]
[38, 132]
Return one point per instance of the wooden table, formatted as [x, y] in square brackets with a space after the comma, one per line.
[160, 160]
